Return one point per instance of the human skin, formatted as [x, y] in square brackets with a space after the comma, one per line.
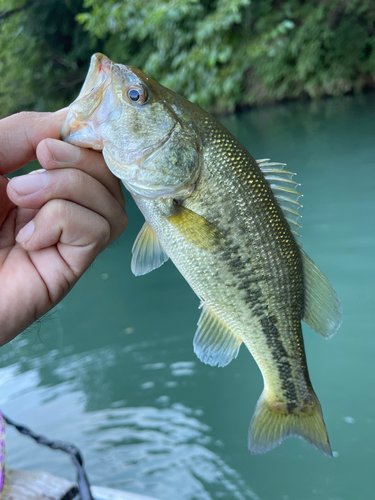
[54, 222]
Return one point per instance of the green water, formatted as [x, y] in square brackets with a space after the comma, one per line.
[113, 370]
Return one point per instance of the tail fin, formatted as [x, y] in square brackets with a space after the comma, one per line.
[271, 425]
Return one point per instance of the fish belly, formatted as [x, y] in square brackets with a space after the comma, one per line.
[238, 293]
[236, 290]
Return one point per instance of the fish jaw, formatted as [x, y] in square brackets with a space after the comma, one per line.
[154, 151]
[81, 126]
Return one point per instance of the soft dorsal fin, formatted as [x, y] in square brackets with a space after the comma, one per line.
[323, 311]
[214, 343]
[194, 228]
[148, 254]
[283, 187]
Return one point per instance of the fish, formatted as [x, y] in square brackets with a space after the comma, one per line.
[229, 223]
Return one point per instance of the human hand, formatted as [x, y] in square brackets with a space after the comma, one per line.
[53, 223]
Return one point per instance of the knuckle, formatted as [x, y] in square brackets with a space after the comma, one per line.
[76, 177]
[25, 116]
[120, 222]
[58, 208]
[123, 222]
[102, 233]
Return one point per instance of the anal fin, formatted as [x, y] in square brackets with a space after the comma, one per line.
[148, 254]
[214, 343]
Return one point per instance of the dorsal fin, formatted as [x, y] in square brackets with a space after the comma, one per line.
[214, 342]
[323, 311]
[283, 187]
[148, 254]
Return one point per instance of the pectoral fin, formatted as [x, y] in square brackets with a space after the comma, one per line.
[194, 228]
[214, 343]
[148, 254]
[323, 312]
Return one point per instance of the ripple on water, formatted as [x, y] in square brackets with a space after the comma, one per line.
[161, 451]
[165, 452]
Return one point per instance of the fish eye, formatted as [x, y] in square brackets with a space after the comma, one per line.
[137, 94]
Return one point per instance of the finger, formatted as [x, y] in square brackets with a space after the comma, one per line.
[13, 223]
[34, 191]
[54, 154]
[78, 234]
[21, 133]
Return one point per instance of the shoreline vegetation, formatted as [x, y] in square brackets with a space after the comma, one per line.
[225, 55]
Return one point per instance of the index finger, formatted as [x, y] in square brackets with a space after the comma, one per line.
[21, 133]
[54, 155]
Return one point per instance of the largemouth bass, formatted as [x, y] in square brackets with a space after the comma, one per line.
[227, 223]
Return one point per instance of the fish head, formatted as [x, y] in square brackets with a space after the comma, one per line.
[147, 132]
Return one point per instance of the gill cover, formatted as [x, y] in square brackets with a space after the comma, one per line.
[146, 142]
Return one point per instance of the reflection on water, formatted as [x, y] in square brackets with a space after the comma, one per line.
[164, 450]
[113, 368]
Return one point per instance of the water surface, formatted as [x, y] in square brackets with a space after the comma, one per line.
[112, 369]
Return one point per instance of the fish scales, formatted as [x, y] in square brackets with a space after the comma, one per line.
[209, 208]
[250, 266]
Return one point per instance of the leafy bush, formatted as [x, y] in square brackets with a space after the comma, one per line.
[44, 54]
[220, 54]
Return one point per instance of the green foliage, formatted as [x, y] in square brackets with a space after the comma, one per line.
[327, 48]
[226, 53]
[44, 54]
[220, 54]
[195, 48]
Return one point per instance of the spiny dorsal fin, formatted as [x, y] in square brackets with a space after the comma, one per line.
[194, 228]
[283, 187]
[148, 254]
[323, 311]
[214, 343]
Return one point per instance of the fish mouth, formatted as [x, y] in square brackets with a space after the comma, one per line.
[98, 104]
[98, 73]
[80, 125]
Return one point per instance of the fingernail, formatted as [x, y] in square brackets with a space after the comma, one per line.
[37, 171]
[63, 152]
[27, 184]
[25, 233]
[62, 110]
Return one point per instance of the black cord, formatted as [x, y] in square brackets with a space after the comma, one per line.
[73, 451]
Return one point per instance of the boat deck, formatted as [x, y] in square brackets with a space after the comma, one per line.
[37, 485]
